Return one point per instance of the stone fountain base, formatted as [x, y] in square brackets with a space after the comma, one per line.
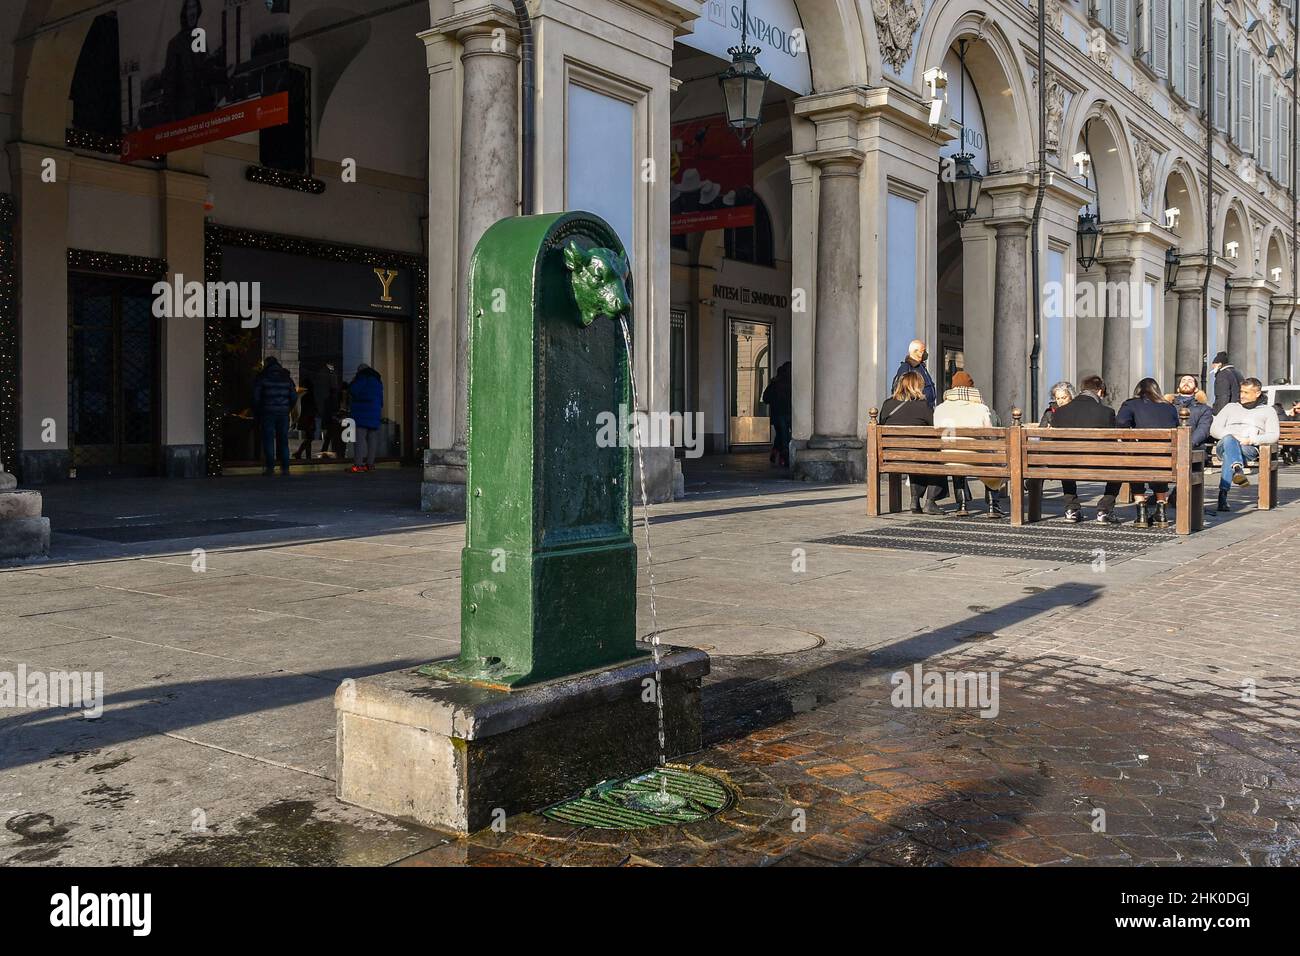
[456, 756]
[24, 533]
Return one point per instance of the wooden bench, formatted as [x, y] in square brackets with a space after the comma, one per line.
[1290, 438]
[1122, 455]
[1269, 458]
[897, 450]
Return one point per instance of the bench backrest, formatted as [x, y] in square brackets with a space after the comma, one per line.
[1108, 454]
[1290, 433]
[925, 450]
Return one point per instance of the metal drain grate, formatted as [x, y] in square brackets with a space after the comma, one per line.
[667, 795]
[1052, 540]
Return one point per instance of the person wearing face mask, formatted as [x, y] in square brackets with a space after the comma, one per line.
[917, 354]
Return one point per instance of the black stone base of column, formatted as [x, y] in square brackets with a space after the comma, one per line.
[832, 460]
[184, 461]
[457, 756]
[42, 466]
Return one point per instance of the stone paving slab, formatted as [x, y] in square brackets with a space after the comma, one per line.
[1119, 690]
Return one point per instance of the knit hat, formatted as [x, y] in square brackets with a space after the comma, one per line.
[1220, 359]
[962, 379]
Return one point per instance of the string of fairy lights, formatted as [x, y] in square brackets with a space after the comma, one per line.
[218, 237]
[8, 337]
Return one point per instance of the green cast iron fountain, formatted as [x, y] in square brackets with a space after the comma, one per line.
[548, 572]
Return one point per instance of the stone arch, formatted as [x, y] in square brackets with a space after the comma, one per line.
[996, 70]
[1114, 170]
[1178, 186]
[842, 48]
[1274, 255]
[1233, 225]
[44, 63]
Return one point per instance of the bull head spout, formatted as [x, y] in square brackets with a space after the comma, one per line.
[598, 282]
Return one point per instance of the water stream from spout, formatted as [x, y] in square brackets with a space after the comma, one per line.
[664, 796]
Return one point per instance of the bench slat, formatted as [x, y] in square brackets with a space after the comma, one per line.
[1115, 474]
[1106, 462]
[972, 471]
[929, 431]
[892, 441]
[892, 456]
[1115, 434]
[1101, 447]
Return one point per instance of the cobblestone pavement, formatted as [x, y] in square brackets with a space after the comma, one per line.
[1157, 724]
[1123, 687]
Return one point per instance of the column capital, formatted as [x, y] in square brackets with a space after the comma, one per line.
[836, 162]
[1009, 227]
[469, 23]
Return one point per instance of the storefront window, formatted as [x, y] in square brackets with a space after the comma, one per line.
[322, 354]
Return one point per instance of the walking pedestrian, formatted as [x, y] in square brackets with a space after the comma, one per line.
[367, 394]
[274, 396]
[779, 401]
[1227, 382]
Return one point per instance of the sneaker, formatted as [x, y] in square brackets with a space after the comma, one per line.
[1106, 518]
[357, 469]
[1239, 476]
[1073, 515]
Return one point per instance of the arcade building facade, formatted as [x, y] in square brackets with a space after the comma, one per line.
[830, 243]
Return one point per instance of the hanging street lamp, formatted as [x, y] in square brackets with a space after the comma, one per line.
[743, 84]
[962, 185]
[1088, 240]
[1172, 261]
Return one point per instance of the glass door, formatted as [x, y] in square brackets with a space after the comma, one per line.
[750, 347]
[112, 376]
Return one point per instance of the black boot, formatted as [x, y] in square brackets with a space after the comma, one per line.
[960, 495]
[916, 499]
[927, 502]
[1160, 520]
[1223, 500]
[1143, 519]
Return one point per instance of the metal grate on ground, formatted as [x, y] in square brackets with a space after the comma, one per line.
[630, 804]
[1053, 540]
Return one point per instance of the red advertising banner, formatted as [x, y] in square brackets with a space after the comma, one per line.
[195, 71]
[231, 121]
[713, 177]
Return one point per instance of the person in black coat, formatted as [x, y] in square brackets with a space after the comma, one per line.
[1087, 409]
[1148, 409]
[779, 401]
[274, 396]
[915, 362]
[908, 406]
[1227, 382]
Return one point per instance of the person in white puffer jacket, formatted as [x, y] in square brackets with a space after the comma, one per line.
[963, 407]
[1241, 427]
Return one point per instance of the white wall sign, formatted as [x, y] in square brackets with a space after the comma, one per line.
[772, 26]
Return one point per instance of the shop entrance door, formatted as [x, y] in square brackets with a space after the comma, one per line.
[750, 364]
[112, 376]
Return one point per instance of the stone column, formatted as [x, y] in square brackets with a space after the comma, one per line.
[1187, 354]
[1279, 321]
[835, 450]
[1117, 345]
[182, 347]
[488, 190]
[1011, 319]
[1238, 334]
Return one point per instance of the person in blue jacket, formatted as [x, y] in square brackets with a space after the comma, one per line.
[274, 396]
[1201, 415]
[915, 362]
[367, 391]
[1148, 409]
